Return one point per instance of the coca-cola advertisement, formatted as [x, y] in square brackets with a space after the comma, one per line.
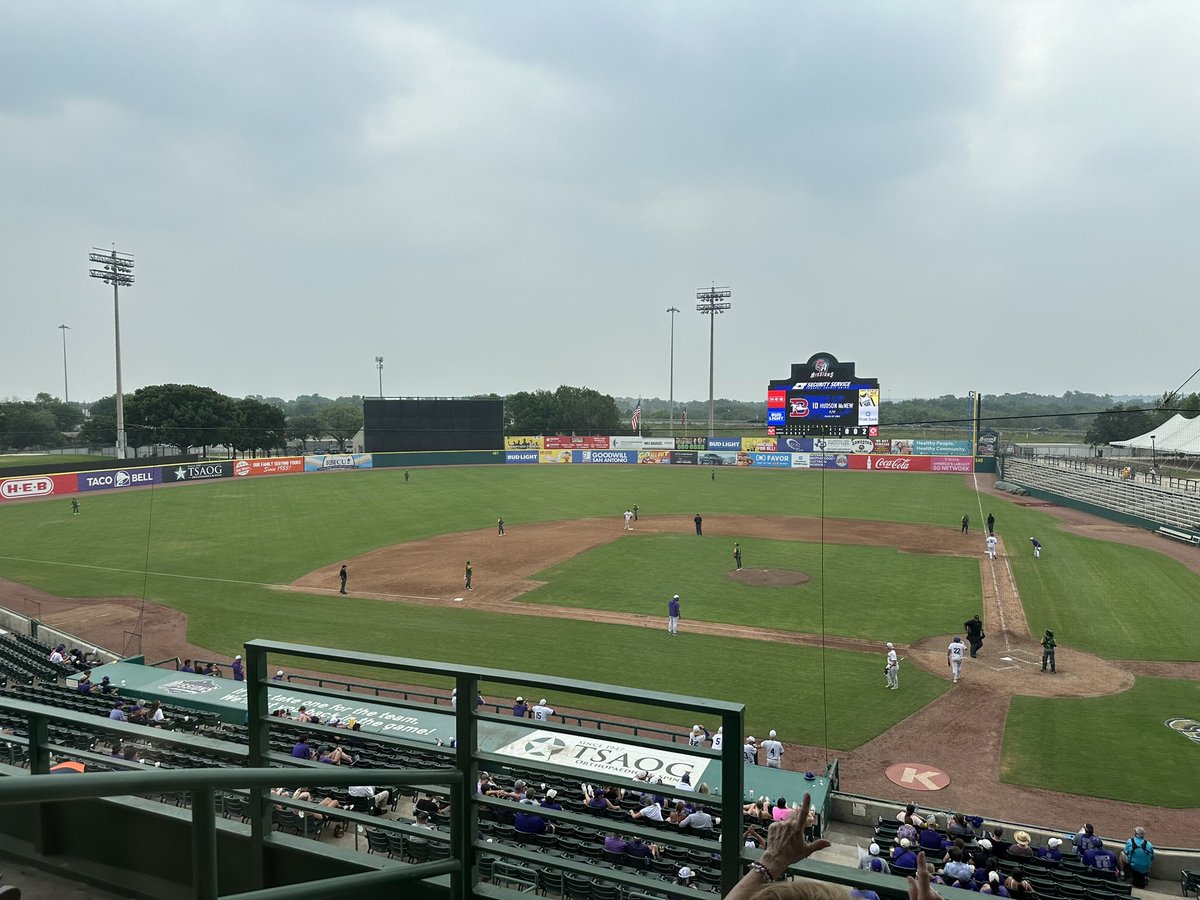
[893, 463]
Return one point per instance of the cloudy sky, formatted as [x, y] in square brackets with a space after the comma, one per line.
[999, 196]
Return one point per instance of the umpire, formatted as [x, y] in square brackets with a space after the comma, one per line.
[975, 635]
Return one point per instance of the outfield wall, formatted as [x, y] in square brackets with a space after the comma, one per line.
[851, 454]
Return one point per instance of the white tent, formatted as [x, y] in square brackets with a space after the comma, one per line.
[1177, 435]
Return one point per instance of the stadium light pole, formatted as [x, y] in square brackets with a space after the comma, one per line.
[66, 392]
[671, 402]
[115, 269]
[379, 366]
[713, 302]
[1153, 453]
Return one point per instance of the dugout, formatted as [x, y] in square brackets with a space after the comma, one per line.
[440, 423]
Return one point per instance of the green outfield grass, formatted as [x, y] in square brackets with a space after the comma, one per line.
[852, 592]
[1115, 746]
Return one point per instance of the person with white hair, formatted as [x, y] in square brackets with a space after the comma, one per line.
[774, 751]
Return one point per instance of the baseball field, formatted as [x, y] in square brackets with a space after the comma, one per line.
[835, 565]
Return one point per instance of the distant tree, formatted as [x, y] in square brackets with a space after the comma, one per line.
[66, 415]
[307, 405]
[184, 415]
[529, 412]
[1118, 423]
[100, 427]
[26, 427]
[568, 410]
[303, 429]
[256, 426]
[341, 420]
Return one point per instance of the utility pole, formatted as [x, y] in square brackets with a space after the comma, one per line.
[672, 310]
[713, 302]
[66, 392]
[115, 269]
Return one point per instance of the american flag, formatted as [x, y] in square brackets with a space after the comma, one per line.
[683, 418]
[636, 419]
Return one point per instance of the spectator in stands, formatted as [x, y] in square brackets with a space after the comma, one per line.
[520, 709]
[421, 820]
[909, 816]
[1050, 852]
[486, 785]
[137, 714]
[1017, 886]
[780, 810]
[906, 831]
[685, 783]
[637, 848]
[957, 868]
[1137, 857]
[649, 809]
[1101, 859]
[699, 822]
[994, 885]
[431, 804]
[929, 837]
[106, 686]
[595, 799]
[278, 676]
[239, 671]
[1021, 848]
[303, 714]
[903, 856]
[958, 826]
[335, 756]
[760, 809]
[550, 801]
[985, 865]
[1000, 843]
[1086, 839]
[869, 860]
[186, 668]
[678, 813]
[614, 843]
[118, 713]
[302, 749]
[156, 716]
[77, 660]
[379, 798]
[84, 685]
[56, 655]
[525, 821]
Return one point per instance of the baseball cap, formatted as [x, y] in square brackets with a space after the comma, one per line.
[985, 843]
[238, 657]
[905, 842]
[750, 740]
[891, 646]
[685, 872]
[1054, 842]
[520, 699]
[696, 728]
[551, 794]
[542, 702]
[676, 597]
[280, 672]
[873, 849]
[772, 733]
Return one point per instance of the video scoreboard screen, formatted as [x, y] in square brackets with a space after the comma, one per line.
[824, 398]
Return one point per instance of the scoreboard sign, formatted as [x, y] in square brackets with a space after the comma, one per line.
[824, 397]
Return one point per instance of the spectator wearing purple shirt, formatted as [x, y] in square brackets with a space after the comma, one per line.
[302, 750]
[930, 838]
[1100, 859]
[239, 671]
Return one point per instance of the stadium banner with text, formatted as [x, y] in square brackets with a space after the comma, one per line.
[952, 464]
[618, 442]
[335, 462]
[274, 465]
[683, 457]
[197, 471]
[690, 443]
[654, 456]
[567, 442]
[529, 442]
[605, 457]
[868, 406]
[112, 479]
[800, 460]
[722, 458]
[794, 444]
[891, 463]
[555, 457]
[759, 444]
[27, 487]
[771, 460]
[715, 443]
[941, 448]
[605, 756]
[833, 460]
[521, 456]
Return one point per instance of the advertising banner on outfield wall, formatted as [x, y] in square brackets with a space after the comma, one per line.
[833, 460]
[723, 458]
[198, 471]
[759, 444]
[334, 462]
[942, 448]
[605, 457]
[522, 456]
[951, 464]
[112, 479]
[771, 460]
[891, 463]
[276, 465]
[690, 443]
[655, 456]
[554, 457]
[794, 444]
[715, 443]
[683, 457]
[29, 486]
[567, 442]
[618, 442]
[799, 460]
[530, 442]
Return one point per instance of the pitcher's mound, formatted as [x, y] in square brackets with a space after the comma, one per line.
[769, 577]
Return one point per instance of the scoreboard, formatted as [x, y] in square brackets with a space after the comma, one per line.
[824, 398]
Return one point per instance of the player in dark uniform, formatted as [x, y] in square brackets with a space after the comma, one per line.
[974, 629]
[699, 520]
[343, 575]
[467, 575]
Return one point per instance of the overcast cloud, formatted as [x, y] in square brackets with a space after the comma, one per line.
[998, 196]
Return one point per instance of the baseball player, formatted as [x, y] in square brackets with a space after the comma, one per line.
[954, 657]
[991, 546]
[75, 506]
[750, 751]
[891, 669]
[718, 739]
[673, 616]
[628, 519]
[1037, 547]
[737, 555]
[500, 526]
[542, 712]
[1048, 645]
[467, 575]
[697, 736]
[342, 576]
[774, 751]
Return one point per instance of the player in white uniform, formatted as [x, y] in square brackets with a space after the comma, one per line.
[991, 546]
[774, 751]
[542, 712]
[628, 519]
[891, 671]
[718, 739]
[954, 657]
[697, 736]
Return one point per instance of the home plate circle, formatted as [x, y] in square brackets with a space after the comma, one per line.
[917, 776]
